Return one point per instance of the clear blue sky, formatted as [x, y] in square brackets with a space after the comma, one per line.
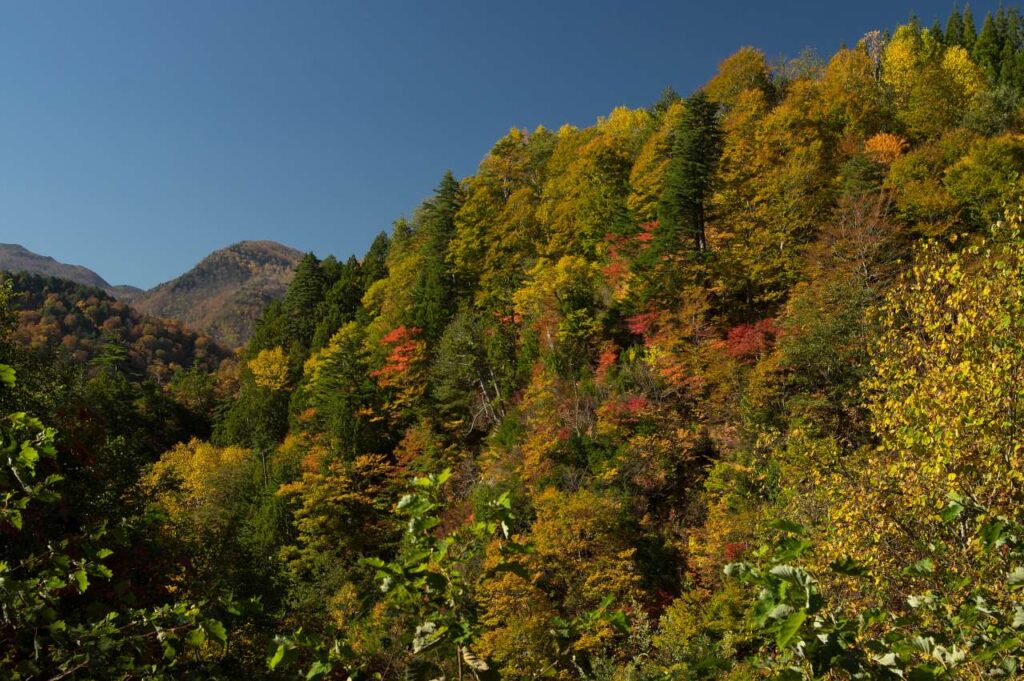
[138, 135]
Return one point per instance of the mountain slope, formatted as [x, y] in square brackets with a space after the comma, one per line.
[225, 293]
[89, 325]
[16, 258]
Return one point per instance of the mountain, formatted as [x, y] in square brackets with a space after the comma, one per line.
[15, 258]
[224, 294]
[91, 326]
[221, 296]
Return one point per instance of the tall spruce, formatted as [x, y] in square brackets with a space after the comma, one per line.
[374, 265]
[436, 288]
[696, 148]
[301, 301]
[988, 48]
[969, 32]
[955, 28]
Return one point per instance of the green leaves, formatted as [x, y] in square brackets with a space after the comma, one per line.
[790, 628]
[955, 623]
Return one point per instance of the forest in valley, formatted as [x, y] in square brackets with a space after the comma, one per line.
[729, 387]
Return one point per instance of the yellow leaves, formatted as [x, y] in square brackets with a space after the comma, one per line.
[885, 147]
[270, 368]
[969, 79]
[943, 402]
[648, 173]
[900, 61]
[745, 69]
[197, 483]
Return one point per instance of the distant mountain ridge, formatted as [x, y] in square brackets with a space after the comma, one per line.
[222, 295]
[225, 293]
[17, 258]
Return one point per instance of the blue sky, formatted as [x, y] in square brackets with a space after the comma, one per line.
[136, 136]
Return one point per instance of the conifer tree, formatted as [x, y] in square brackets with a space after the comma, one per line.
[969, 31]
[301, 301]
[697, 145]
[436, 287]
[955, 29]
[374, 264]
[988, 48]
[668, 97]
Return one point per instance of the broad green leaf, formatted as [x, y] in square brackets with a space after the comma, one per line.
[788, 630]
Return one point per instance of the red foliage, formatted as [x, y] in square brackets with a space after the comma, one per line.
[641, 324]
[625, 409]
[405, 349]
[748, 341]
[400, 334]
[734, 550]
[606, 360]
[646, 233]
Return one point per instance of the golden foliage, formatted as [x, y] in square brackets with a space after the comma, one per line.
[885, 147]
[270, 368]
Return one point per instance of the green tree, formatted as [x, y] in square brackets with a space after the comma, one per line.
[955, 28]
[300, 302]
[682, 211]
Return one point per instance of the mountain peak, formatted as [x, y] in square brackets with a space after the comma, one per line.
[17, 258]
[227, 290]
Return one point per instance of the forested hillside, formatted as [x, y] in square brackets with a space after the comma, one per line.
[226, 291]
[91, 328]
[727, 387]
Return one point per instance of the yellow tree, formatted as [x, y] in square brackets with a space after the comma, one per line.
[270, 368]
[585, 196]
[945, 405]
[497, 230]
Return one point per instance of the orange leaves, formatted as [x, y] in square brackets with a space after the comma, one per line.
[885, 147]
[642, 324]
[405, 351]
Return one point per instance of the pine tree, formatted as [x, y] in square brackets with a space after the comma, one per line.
[936, 31]
[301, 301]
[668, 97]
[988, 48]
[955, 28]
[436, 287]
[969, 32]
[374, 263]
[696, 147]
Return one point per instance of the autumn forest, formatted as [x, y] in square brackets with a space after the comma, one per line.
[728, 387]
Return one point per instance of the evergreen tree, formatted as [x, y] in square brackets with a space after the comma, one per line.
[374, 264]
[696, 147]
[341, 302]
[301, 301]
[668, 97]
[969, 32]
[436, 287]
[936, 31]
[955, 28]
[988, 48]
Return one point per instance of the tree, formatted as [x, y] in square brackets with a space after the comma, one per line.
[745, 69]
[696, 147]
[50, 628]
[955, 28]
[970, 32]
[988, 49]
[300, 302]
